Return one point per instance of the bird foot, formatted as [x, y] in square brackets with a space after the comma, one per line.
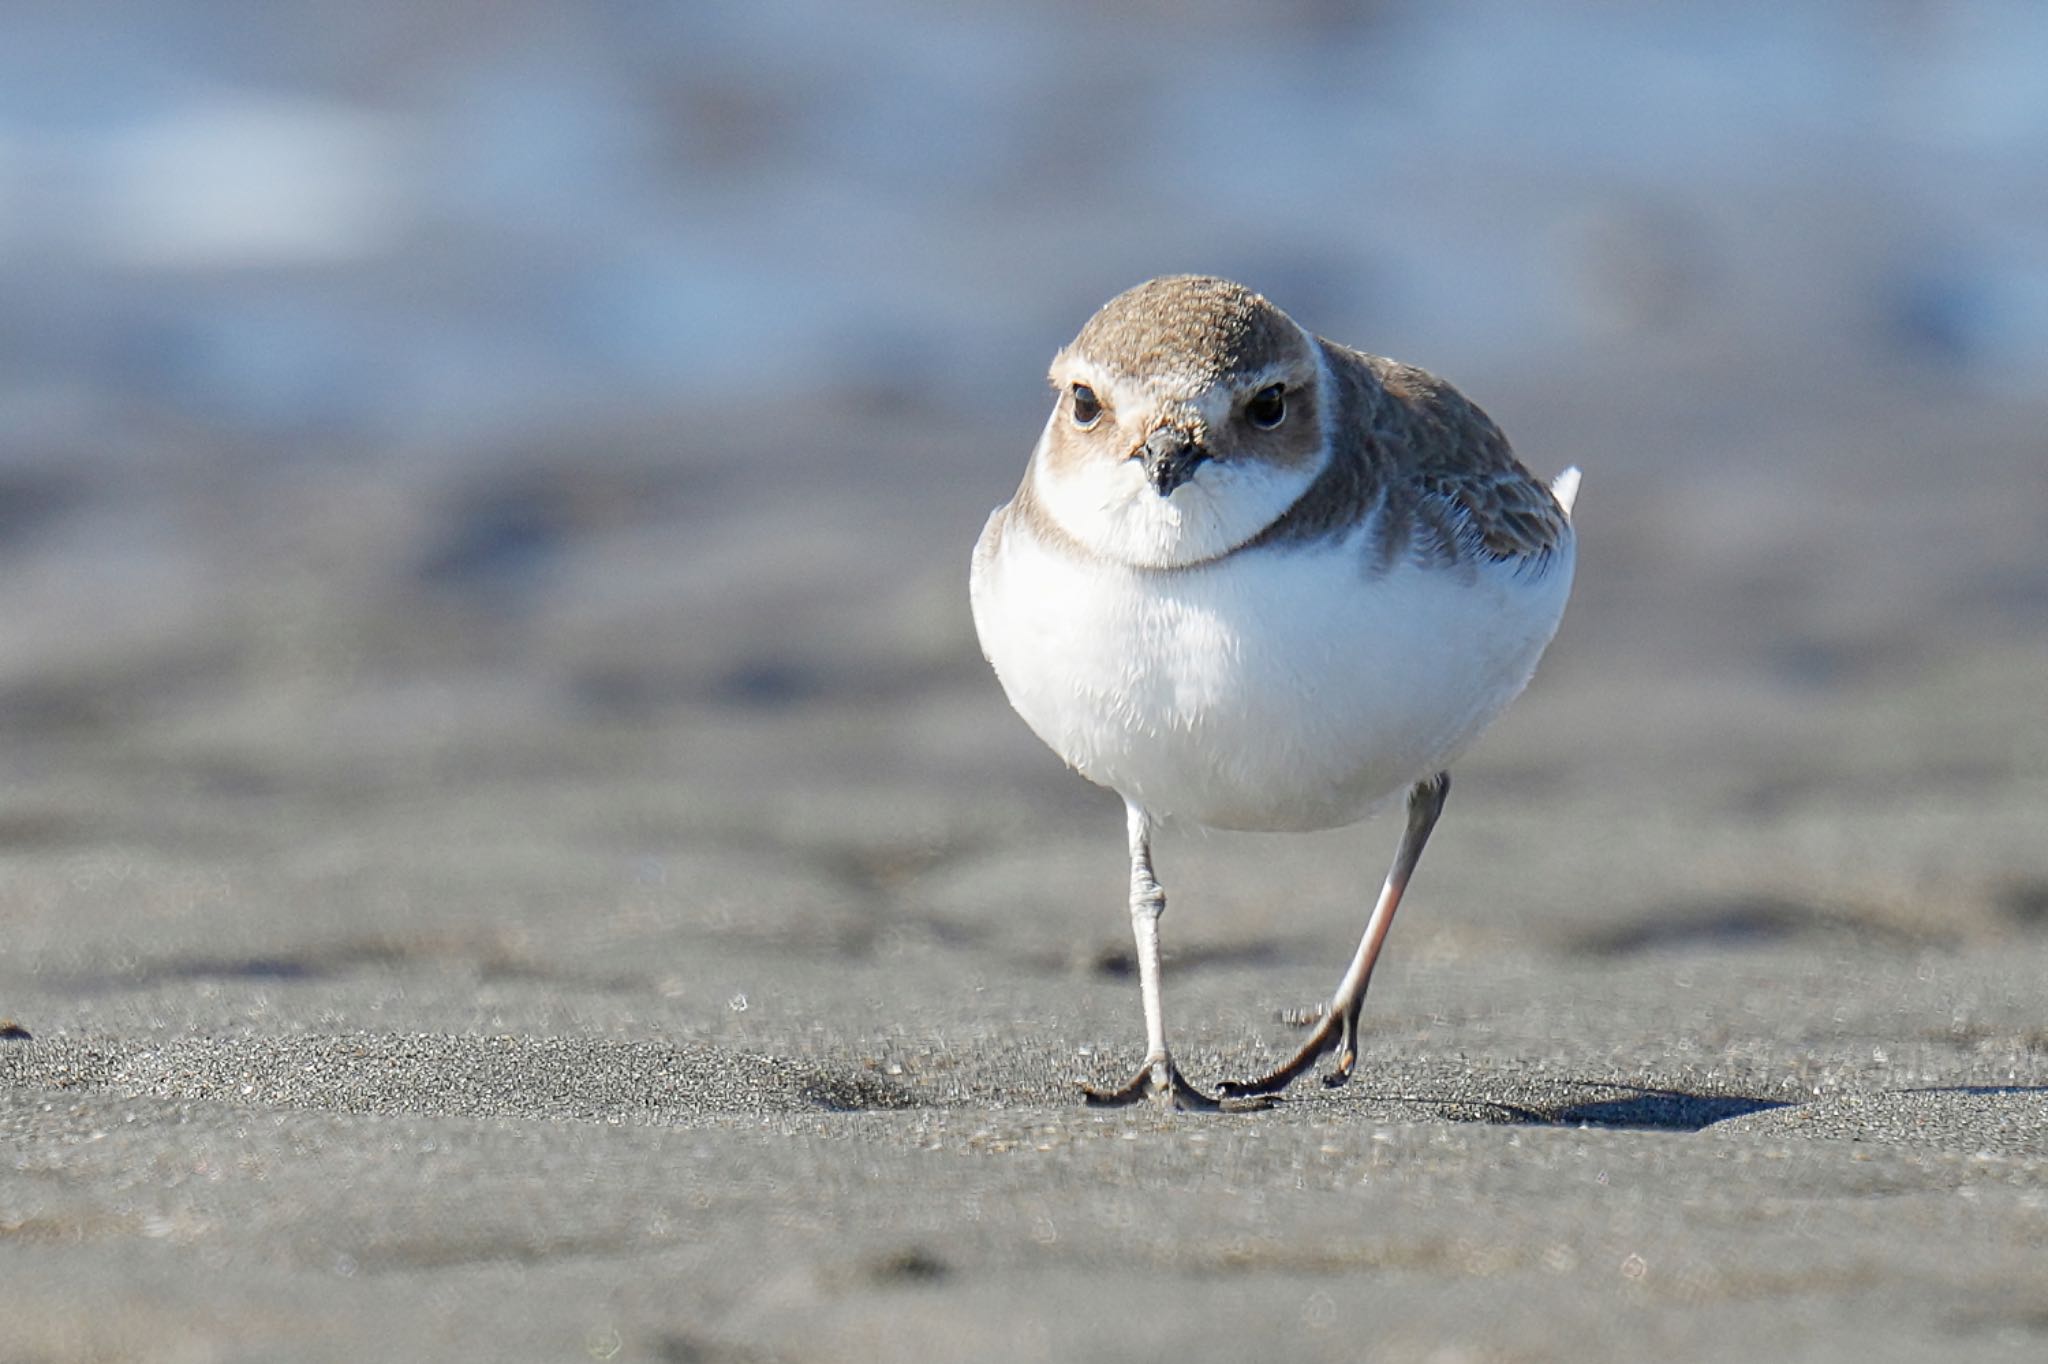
[1159, 1080]
[1337, 1031]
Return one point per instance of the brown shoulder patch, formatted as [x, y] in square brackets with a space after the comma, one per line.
[1460, 473]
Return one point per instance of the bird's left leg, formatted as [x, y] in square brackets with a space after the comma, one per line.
[1158, 1078]
[1338, 1028]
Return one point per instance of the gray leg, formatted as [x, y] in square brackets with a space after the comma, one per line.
[1338, 1029]
[1158, 1077]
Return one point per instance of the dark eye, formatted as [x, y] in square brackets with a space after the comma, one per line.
[1268, 407]
[1087, 407]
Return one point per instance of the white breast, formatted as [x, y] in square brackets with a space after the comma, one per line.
[1281, 688]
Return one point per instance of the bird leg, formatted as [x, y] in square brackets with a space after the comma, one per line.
[1338, 1026]
[1158, 1078]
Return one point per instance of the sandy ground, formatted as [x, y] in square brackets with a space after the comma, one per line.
[590, 901]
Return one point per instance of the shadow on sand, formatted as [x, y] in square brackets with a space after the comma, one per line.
[1667, 1110]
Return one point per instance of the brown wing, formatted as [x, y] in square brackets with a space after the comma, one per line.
[1449, 467]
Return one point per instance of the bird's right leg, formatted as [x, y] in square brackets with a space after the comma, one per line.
[1158, 1078]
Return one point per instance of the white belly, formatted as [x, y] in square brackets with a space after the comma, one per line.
[1276, 689]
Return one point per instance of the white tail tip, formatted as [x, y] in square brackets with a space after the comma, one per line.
[1565, 488]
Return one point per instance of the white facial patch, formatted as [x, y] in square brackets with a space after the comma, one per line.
[1111, 507]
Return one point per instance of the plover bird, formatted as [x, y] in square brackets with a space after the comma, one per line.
[1257, 580]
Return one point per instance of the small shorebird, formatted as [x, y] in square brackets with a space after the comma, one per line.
[1257, 580]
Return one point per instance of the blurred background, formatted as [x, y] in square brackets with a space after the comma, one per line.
[486, 490]
[584, 411]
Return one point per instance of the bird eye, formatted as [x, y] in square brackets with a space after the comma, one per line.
[1268, 407]
[1087, 407]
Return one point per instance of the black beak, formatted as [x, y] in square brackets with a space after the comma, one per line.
[1170, 459]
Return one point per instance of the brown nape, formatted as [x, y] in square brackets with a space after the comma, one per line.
[1204, 327]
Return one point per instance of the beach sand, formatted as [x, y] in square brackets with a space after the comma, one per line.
[656, 940]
